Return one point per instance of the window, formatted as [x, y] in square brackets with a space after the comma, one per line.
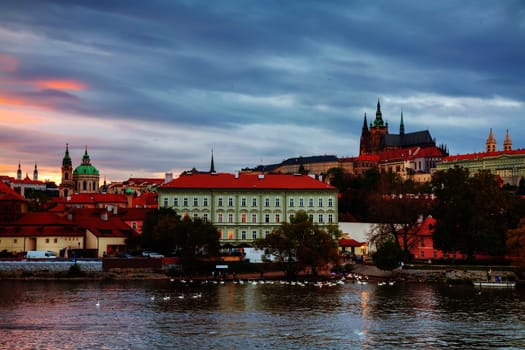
[254, 202]
[267, 218]
[205, 217]
[277, 202]
[219, 201]
[230, 234]
[266, 233]
[195, 216]
[47, 240]
[243, 218]
[301, 202]
[254, 218]
[311, 202]
[230, 218]
[320, 218]
[267, 202]
[277, 218]
[219, 217]
[205, 201]
[243, 201]
[243, 235]
[330, 218]
[230, 202]
[311, 217]
[320, 202]
[330, 202]
[422, 242]
[134, 225]
[165, 202]
[175, 201]
[292, 216]
[195, 201]
[254, 234]
[291, 202]
[15, 240]
[185, 201]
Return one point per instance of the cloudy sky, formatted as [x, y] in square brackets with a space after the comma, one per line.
[153, 86]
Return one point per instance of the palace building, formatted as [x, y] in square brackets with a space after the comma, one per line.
[507, 164]
[245, 207]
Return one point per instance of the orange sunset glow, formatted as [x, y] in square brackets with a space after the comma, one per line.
[61, 84]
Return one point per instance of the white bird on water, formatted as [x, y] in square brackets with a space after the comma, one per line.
[98, 303]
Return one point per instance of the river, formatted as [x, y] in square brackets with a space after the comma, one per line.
[175, 315]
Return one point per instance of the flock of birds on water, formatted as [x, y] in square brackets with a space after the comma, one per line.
[349, 278]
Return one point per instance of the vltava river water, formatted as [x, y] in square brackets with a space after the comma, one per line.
[173, 315]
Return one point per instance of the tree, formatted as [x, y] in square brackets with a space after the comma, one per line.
[397, 217]
[388, 255]
[194, 238]
[301, 243]
[471, 212]
[158, 230]
[516, 243]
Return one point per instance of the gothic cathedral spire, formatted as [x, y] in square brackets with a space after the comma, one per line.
[212, 164]
[402, 126]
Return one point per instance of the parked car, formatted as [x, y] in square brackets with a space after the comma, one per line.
[152, 254]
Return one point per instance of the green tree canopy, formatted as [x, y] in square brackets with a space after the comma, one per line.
[388, 255]
[471, 212]
[301, 243]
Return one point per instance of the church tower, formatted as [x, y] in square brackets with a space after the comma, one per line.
[19, 172]
[35, 174]
[365, 138]
[378, 131]
[507, 144]
[66, 186]
[490, 145]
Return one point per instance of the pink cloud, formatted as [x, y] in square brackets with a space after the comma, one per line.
[8, 63]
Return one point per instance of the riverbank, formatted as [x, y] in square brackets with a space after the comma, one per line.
[93, 271]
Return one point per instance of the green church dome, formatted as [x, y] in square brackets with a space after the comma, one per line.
[85, 170]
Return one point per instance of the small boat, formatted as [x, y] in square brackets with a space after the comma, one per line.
[504, 284]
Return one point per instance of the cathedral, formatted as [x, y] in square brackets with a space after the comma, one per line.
[375, 137]
[85, 178]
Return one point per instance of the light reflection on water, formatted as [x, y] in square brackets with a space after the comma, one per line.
[135, 315]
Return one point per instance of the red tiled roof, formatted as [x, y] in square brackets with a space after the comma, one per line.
[100, 222]
[481, 155]
[27, 181]
[349, 242]
[247, 181]
[145, 180]
[133, 214]
[145, 200]
[95, 198]
[8, 194]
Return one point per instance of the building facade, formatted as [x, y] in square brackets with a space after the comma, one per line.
[245, 207]
[508, 164]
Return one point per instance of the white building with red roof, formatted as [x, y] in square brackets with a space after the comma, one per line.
[245, 207]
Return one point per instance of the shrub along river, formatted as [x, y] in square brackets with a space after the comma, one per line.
[173, 315]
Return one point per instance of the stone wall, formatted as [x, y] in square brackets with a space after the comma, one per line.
[10, 267]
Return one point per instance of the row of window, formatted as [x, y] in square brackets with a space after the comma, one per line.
[220, 202]
[244, 234]
[221, 218]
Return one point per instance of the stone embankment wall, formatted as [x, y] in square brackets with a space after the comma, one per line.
[13, 267]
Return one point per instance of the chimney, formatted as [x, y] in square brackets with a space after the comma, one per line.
[70, 216]
[168, 177]
[236, 174]
[260, 176]
[104, 216]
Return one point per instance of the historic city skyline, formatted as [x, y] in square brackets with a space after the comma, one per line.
[153, 87]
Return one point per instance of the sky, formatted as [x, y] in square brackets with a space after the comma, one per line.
[151, 87]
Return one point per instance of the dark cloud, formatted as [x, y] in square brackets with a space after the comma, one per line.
[222, 74]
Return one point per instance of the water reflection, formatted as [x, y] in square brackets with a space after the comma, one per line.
[165, 315]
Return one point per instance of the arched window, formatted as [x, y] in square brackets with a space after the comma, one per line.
[66, 176]
[84, 186]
